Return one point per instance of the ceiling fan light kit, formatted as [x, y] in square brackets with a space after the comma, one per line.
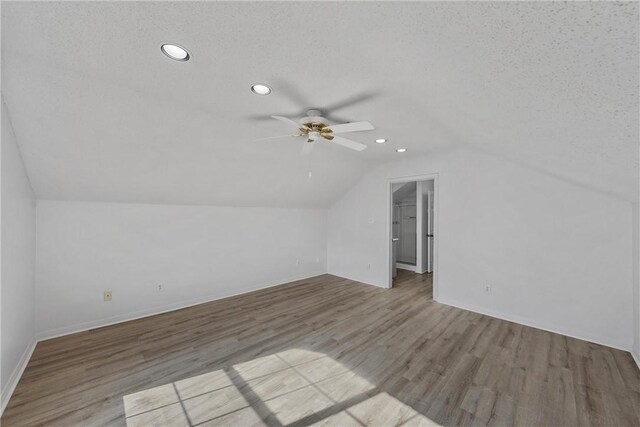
[315, 128]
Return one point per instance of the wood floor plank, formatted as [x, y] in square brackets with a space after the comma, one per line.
[325, 351]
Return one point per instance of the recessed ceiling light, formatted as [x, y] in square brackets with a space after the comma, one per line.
[260, 89]
[381, 140]
[401, 150]
[176, 52]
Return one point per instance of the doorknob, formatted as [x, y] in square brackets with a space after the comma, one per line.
[395, 239]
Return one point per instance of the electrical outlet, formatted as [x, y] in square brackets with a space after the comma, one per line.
[159, 287]
[298, 261]
[487, 289]
[368, 266]
[107, 295]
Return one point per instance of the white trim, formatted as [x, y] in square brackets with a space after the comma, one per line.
[342, 276]
[436, 223]
[55, 333]
[10, 387]
[421, 233]
[518, 320]
[26, 356]
[404, 266]
[68, 330]
[529, 323]
[637, 360]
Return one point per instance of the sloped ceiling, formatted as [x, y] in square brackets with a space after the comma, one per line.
[101, 114]
[404, 191]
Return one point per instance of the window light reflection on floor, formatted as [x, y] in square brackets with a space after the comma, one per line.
[293, 386]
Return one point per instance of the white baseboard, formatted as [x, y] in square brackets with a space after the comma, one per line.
[514, 319]
[527, 322]
[10, 387]
[636, 358]
[26, 356]
[73, 329]
[54, 333]
[342, 276]
[409, 267]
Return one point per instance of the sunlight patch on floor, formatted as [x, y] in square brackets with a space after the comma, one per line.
[294, 386]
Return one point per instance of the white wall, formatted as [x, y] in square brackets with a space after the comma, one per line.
[557, 255]
[196, 252]
[636, 282]
[18, 262]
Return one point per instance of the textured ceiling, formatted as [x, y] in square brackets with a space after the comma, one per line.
[101, 114]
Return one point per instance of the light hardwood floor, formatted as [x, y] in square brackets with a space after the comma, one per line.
[329, 351]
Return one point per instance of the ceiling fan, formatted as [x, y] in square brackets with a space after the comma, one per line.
[314, 128]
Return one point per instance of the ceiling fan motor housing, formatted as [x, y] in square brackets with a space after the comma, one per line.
[316, 130]
[316, 127]
[314, 117]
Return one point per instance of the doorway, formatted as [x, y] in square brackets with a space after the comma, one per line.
[407, 229]
[412, 233]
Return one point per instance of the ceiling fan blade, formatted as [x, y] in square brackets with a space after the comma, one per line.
[306, 148]
[286, 120]
[351, 127]
[348, 143]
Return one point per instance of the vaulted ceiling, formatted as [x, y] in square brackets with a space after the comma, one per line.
[101, 114]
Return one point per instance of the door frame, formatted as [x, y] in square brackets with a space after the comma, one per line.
[436, 223]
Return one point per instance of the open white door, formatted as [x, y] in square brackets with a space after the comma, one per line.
[429, 227]
[422, 214]
[395, 227]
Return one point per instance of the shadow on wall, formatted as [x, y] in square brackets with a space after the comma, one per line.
[292, 387]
